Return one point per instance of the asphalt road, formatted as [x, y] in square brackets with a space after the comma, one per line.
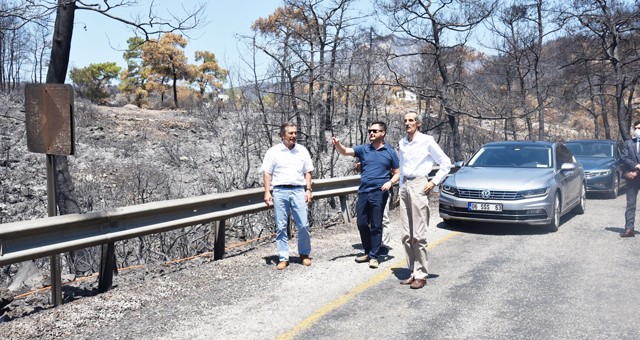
[487, 282]
[508, 282]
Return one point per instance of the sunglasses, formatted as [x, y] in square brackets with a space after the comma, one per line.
[374, 131]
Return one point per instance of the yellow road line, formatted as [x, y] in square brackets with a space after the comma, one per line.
[309, 321]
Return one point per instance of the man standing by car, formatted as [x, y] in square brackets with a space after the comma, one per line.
[377, 161]
[418, 153]
[288, 167]
[631, 160]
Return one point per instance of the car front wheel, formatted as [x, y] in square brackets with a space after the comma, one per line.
[582, 204]
[555, 215]
[615, 187]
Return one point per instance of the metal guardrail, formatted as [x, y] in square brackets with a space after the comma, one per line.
[32, 239]
[26, 240]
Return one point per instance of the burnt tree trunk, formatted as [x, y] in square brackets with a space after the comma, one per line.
[59, 62]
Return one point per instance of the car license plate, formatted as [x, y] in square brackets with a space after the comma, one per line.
[485, 206]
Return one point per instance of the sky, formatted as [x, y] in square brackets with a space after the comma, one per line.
[97, 39]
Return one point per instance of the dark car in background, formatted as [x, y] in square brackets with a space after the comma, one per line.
[523, 182]
[602, 164]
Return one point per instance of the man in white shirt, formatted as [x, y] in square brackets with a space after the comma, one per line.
[288, 166]
[418, 153]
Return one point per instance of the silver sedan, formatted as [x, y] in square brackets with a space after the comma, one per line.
[529, 182]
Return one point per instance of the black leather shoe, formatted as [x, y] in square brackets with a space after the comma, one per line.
[628, 233]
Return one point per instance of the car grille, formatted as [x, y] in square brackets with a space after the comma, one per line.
[494, 194]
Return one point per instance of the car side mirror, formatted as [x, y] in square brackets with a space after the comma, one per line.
[568, 167]
[458, 164]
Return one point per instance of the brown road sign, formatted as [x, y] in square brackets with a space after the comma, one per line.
[50, 127]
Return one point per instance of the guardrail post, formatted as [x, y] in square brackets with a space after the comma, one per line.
[218, 243]
[107, 267]
[56, 279]
[345, 209]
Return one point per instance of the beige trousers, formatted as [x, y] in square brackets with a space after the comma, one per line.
[414, 212]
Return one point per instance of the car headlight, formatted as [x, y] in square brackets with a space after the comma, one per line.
[594, 173]
[534, 193]
[450, 189]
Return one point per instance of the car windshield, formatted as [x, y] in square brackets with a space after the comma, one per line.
[512, 156]
[591, 149]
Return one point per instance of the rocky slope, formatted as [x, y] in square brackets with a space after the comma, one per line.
[126, 156]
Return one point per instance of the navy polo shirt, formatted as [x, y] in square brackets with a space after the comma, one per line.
[376, 165]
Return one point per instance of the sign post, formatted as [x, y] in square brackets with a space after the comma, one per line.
[50, 130]
[54, 260]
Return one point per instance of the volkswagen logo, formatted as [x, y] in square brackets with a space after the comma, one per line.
[486, 194]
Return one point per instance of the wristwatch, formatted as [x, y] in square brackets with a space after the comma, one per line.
[309, 189]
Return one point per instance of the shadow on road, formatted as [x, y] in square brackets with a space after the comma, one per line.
[384, 253]
[404, 273]
[618, 230]
[356, 246]
[496, 229]
[274, 259]
[271, 259]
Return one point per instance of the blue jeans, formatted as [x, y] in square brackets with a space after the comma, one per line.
[287, 200]
[370, 209]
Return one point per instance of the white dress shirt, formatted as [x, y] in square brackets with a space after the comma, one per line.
[418, 157]
[287, 167]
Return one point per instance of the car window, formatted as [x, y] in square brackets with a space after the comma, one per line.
[592, 149]
[512, 156]
[576, 149]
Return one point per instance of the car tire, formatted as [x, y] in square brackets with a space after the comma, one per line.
[582, 204]
[555, 214]
[615, 187]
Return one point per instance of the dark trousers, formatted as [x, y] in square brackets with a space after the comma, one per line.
[632, 198]
[370, 209]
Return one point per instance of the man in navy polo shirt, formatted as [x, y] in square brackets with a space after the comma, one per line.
[377, 160]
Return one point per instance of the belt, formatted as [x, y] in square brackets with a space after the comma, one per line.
[411, 178]
[288, 186]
